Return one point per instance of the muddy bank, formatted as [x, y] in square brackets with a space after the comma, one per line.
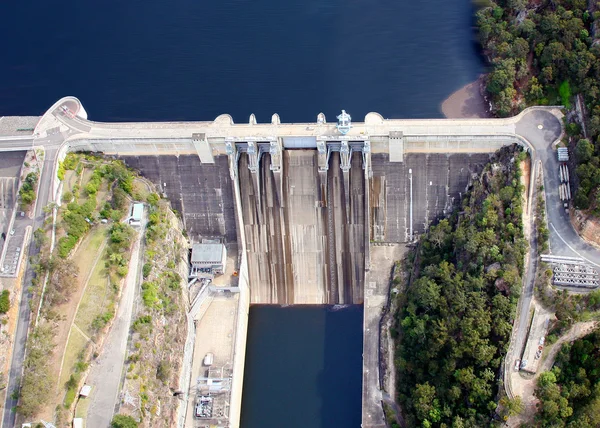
[466, 102]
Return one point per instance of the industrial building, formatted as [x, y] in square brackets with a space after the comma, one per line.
[137, 211]
[209, 257]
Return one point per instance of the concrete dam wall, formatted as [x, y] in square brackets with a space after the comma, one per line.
[305, 229]
[202, 193]
[438, 180]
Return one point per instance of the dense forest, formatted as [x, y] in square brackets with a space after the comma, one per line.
[544, 52]
[570, 393]
[455, 319]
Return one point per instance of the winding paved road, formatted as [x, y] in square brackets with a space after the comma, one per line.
[542, 128]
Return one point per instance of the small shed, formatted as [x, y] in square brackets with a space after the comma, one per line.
[137, 211]
[209, 257]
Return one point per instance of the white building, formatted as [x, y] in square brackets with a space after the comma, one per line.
[209, 258]
[137, 211]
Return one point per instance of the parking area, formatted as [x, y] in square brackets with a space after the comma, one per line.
[15, 242]
[11, 234]
[532, 354]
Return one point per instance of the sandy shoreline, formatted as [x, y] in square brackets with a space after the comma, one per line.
[466, 102]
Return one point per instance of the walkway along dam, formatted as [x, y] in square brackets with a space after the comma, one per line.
[303, 201]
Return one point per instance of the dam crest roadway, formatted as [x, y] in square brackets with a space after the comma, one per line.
[305, 202]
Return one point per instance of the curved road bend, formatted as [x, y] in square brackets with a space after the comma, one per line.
[541, 128]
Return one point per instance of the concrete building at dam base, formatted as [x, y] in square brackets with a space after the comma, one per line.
[301, 203]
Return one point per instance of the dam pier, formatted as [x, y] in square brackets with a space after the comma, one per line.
[302, 203]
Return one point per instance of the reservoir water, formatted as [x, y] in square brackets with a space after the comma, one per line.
[195, 59]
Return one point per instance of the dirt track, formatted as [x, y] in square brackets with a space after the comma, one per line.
[526, 387]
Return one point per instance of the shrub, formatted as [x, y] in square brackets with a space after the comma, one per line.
[142, 323]
[123, 421]
[4, 302]
[38, 384]
[101, 320]
[27, 191]
[584, 150]
[67, 197]
[153, 199]
[70, 162]
[122, 271]
[565, 93]
[146, 269]
[150, 294]
[60, 173]
[66, 244]
[582, 201]
[163, 371]
[69, 397]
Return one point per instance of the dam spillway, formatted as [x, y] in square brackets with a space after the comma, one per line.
[304, 234]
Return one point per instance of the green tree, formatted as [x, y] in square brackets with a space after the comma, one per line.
[123, 421]
[512, 407]
[535, 91]
[426, 405]
[584, 150]
[517, 5]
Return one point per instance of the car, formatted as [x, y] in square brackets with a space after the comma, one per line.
[517, 365]
[18, 249]
[12, 232]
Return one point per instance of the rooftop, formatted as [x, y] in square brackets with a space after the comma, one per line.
[207, 252]
[138, 210]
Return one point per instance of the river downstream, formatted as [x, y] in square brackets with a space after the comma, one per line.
[303, 367]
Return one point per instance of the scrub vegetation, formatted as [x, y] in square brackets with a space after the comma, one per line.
[159, 327]
[28, 189]
[4, 301]
[545, 52]
[100, 190]
[82, 211]
[455, 320]
[570, 394]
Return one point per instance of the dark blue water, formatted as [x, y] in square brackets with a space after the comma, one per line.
[303, 367]
[196, 59]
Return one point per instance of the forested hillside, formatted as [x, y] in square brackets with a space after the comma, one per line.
[544, 52]
[570, 393]
[455, 321]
